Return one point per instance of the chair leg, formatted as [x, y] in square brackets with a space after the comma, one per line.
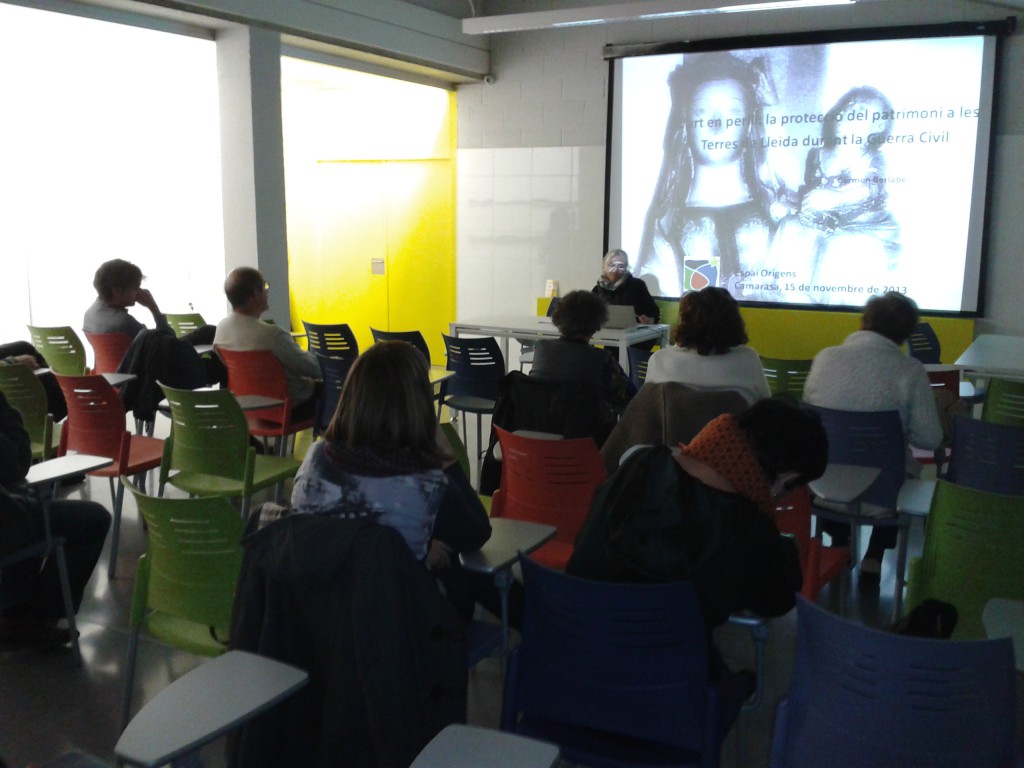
[901, 566]
[69, 606]
[129, 676]
[115, 530]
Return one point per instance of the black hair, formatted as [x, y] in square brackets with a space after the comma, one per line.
[113, 274]
[786, 437]
[710, 322]
[892, 315]
[580, 314]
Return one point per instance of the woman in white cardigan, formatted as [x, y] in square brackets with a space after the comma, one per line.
[710, 349]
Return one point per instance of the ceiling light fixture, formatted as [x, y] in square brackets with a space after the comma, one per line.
[646, 10]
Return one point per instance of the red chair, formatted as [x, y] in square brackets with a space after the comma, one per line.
[820, 564]
[96, 425]
[258, 372]
[551, 482]
[108, 349]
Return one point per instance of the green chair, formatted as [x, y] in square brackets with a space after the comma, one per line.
[1004, 402]
[61, 347]
[786, 376]
[185, 323]
[972, 553]
[27, 396]
[458, 447]
[185, 583]
[208, 450]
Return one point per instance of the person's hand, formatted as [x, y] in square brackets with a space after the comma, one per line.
[25, 360]
[145, 298]
[644, 319]
[439, 555]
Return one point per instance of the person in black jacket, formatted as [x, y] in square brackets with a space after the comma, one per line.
[618, 286]
[82, 524]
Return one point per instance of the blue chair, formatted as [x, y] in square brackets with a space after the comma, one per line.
[924, 345]
[334, 340]
[616, 674]
[335, 371]
[869, 439]
[411, 337]
[863, 698]
[479, 368]
[638, 359]
[987, 456]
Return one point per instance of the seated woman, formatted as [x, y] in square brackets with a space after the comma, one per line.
[709, 350]
[578, 316]
[381, 458]
[716, 529]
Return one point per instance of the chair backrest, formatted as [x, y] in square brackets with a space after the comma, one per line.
[862, 697]
[946, 378]
[62, 349]
[412, 337]
[1004, 402]
[209, 434]
[108, 350]
[628, 659]
[924, 345]
[258, 372]
[987, 456]
[26, 395]
[335, 371]
[868, 439]
[193, 555]
[786, 376]
[334, 340]
[478, 364]
[185, 323]
[638, 359]
[95, 422]
[971, 553]
[548, 481]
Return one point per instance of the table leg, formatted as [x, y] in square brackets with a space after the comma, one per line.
[503, 581]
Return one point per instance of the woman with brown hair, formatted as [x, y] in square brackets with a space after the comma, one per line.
[710, 349]
[380, 459]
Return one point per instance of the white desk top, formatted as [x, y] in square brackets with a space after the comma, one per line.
[508, 538]
[466, 746]
[212, 699]
[843, 483]
[52, 470]
[995, 354]
[531, 326]
[439, 373]
[916, 497]
[1005, 618]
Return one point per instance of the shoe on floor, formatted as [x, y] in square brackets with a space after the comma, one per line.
[870, 577]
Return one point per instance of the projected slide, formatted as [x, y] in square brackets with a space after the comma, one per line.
[808, 175]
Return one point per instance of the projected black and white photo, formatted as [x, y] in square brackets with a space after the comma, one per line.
[807, 175]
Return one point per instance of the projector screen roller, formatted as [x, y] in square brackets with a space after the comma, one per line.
[807, 175]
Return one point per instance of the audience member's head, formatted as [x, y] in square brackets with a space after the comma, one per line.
[787, 438]
[892, 315]
[245, 288]
[710, 322]
[580, 314]
[117, 277]
[387, 405]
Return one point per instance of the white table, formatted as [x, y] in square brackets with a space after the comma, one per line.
[994, 355]
[915, 497]
[1005, 618]
[466, 746]
[505, 327]
[496, 557]
[114, 379]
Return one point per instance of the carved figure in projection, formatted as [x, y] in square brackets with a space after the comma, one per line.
[842, 233]
[709, 217]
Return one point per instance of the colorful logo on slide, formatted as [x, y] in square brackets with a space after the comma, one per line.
[699, 274]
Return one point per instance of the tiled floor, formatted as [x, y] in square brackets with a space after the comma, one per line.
[48, 706]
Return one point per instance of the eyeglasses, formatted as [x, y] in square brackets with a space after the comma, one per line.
[266, 286]
[617, 267]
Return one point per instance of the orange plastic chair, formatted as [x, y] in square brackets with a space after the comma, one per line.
[108, 349]
[95, 425]
[820, 564]
[258, 372]
[551, 482]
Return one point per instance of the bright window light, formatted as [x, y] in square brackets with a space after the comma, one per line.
[109, 148]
